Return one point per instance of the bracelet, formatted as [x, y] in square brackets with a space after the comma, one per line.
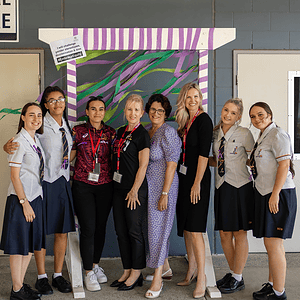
[165, 193]
[22, 201]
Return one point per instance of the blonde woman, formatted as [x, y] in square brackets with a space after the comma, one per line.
[130, 160]
[195, 128]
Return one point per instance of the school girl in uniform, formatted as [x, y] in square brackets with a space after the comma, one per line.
[275, 196]
[23, 227]
[93, 188]
[234, 192]
[58, 203]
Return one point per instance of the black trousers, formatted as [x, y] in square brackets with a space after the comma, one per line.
[129, 228]
[92, 204]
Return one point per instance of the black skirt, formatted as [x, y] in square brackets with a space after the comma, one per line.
[58, 205]
[280, 225]
[234, 207]
[18, 236]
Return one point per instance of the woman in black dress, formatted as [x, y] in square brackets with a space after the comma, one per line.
[195, 127]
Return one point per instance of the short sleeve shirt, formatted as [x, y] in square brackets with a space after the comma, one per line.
[273, 146]
[237, 146]
[51, 141]
[27, 159]
[129, 155]
[82, 135]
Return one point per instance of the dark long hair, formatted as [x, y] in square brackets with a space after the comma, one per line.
[268, 110]
[47, 91]
[23, 113]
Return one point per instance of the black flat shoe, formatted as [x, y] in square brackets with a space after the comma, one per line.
[266, 289]
[271, 296]
[124, 287]
[35, 294]
[232, 286]
[63, 285]
[43, 286]
[116, 283]
[22, 294]
[223, 280]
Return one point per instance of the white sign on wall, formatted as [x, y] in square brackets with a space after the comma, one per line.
[9, 20]
[67, 49]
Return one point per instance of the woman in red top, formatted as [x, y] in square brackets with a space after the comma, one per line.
[92, 188]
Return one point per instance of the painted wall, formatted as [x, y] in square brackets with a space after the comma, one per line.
[261, 24]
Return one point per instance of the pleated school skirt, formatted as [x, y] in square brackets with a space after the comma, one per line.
[280, 225]
[18, 236]
[234, 207]
[58, 206]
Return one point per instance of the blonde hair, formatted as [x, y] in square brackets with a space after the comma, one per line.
[182, 113]
[135, 98]
[238, 102]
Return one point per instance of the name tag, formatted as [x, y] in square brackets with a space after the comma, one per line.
[117, 177]
[93, 177]
[183, 169]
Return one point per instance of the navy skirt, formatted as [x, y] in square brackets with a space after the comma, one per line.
[58, 206]
[280, 225]
[18, 236]
[234, 207]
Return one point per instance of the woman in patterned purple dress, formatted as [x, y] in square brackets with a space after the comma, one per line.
[162, 189]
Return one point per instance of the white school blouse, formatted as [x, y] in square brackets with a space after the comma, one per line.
[237, 145]
[26, 158]
[274, 145]
[51, 141]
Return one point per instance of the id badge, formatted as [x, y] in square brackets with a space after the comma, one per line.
[93, 176]
[117, 177]
[183, 169]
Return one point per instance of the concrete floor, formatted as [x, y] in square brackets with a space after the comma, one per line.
[255, 273]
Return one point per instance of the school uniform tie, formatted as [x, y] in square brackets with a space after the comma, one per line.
[221, 158]
[41, 173]
[65, 159]
[252, 162]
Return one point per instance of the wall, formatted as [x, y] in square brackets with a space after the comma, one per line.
[260, 24]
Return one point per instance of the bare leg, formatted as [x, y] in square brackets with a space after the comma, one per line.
[191, 257]
[40, 261]
[134, 275]
[228, 247]
[157, 280]
[277, 262]
[241, 251]
[125, 275]
[199, 253]
[18, 267]
[60, 246]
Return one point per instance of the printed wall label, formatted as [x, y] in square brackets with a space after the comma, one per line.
[9, 20]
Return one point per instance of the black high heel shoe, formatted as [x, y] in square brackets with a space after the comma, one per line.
[124, 287]
[116, 283]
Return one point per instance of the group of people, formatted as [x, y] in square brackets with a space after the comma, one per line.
[147, 177]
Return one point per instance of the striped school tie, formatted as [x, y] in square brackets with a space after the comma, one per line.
[252, 162]
[221, 158]
[39, 152]
[65, 159]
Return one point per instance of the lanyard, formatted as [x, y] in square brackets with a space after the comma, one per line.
[96, 149]
[121, 142]
[185, 134]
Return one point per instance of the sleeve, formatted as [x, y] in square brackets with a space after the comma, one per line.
[144, 141]
[248, 141]
[171, 145]
[281, 146]
[205, 132]
[15, 159]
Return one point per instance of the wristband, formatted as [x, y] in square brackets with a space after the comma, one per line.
[165, 193]
[22, 201]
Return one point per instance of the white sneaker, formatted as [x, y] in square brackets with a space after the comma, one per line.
[91, 282]
[101, 277]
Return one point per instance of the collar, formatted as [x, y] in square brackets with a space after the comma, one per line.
[28, 137]
[228, 133]
[266, 132]
[49, 120]
[89, 126]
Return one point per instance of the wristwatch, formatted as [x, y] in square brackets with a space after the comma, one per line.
[22, 201]
[165, 193]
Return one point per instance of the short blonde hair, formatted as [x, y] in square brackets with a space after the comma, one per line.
[135, 98]
[182, 114]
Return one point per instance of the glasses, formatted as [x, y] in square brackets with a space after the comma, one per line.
[159, 111]
[53, 101]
